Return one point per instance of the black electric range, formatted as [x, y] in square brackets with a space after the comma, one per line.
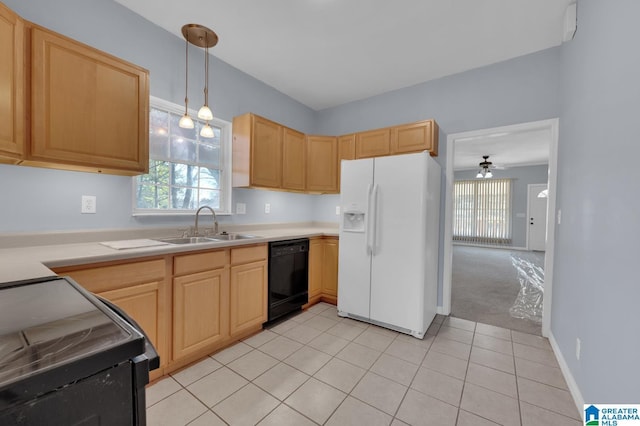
[68, 358]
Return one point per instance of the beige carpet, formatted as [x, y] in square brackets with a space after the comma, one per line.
[485, 285]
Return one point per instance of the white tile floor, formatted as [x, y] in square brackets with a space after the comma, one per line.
[318, 368]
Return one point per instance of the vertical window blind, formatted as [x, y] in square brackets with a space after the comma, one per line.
[482, 211]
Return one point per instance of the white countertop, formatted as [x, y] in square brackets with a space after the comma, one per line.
[22, 263]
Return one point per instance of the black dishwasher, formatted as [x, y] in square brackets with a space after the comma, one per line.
[288, 276]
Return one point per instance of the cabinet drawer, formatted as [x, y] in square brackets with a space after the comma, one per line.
[192, 263]
[98, 279]
[248, 254]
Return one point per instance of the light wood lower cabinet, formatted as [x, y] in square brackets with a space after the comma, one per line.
[248, 289]
[200, 303]
[323, 270]
[330, 270]
[141, 288]
[316, 256]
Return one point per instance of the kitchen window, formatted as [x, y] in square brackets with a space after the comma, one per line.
[482, 211]
[186, 171]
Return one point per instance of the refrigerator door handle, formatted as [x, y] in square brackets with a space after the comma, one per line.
[367, 239]
[374, 220]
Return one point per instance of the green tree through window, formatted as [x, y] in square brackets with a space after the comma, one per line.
[186, 171]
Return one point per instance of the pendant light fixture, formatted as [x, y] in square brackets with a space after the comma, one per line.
[484, 171]
[185, 121]
[202, 36]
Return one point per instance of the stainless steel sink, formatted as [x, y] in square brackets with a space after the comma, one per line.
[231, 237]
[188, 240]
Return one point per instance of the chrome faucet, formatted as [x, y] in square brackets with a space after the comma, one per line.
[215, 220]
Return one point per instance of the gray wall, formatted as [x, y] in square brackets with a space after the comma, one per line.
[46, 200]
[516, 91]
[596, 287]
[522, 176]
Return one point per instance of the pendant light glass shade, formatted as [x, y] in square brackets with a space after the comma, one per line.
[186, 122]
[488, 174]
[479, 175]
[205, 113]
[207, 131]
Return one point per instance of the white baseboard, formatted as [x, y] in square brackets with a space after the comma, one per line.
[568, 377]
[440, 310]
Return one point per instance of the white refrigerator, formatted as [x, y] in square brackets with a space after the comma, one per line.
[389, 228]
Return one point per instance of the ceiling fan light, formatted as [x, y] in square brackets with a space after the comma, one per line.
[488, 174]
[206, 131]
[205, 113]
[479, 175]
[186, 122]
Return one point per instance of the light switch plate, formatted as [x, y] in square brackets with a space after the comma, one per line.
[337, 210]
[267, 208]
[241, 208]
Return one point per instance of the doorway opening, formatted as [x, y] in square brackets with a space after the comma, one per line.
[549, 128]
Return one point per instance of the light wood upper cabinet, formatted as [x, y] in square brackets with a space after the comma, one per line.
[322, 165]
[293, 160]
[257, 152]
[268, 155]
[12, 101]
[415, 137]
[248, 292]
[89, 110]
[373, 143]
[346, 151]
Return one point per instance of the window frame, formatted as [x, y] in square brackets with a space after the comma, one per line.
[225, 165]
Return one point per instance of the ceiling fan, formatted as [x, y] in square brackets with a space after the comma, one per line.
[485, 168]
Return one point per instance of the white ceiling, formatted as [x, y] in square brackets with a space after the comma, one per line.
[325, 53]
[514, 149]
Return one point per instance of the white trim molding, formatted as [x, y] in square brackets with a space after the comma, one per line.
[552, 126]
[568, 377]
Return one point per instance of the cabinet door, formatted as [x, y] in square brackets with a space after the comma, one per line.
[266, 153]
[11, 86]
[346, 151]
[374, 143]
[330, 269]
[89, 109]
[322, 164]
[248, 297]
[415, 137]
[200, 311]
[145, 303]
[316, 254]
[293, 160]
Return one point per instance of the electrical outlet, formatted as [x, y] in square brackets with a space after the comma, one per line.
[88, 204]
[241, 208]
[578, 347]
[559, 216]
[337, 210]
[267, 208]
